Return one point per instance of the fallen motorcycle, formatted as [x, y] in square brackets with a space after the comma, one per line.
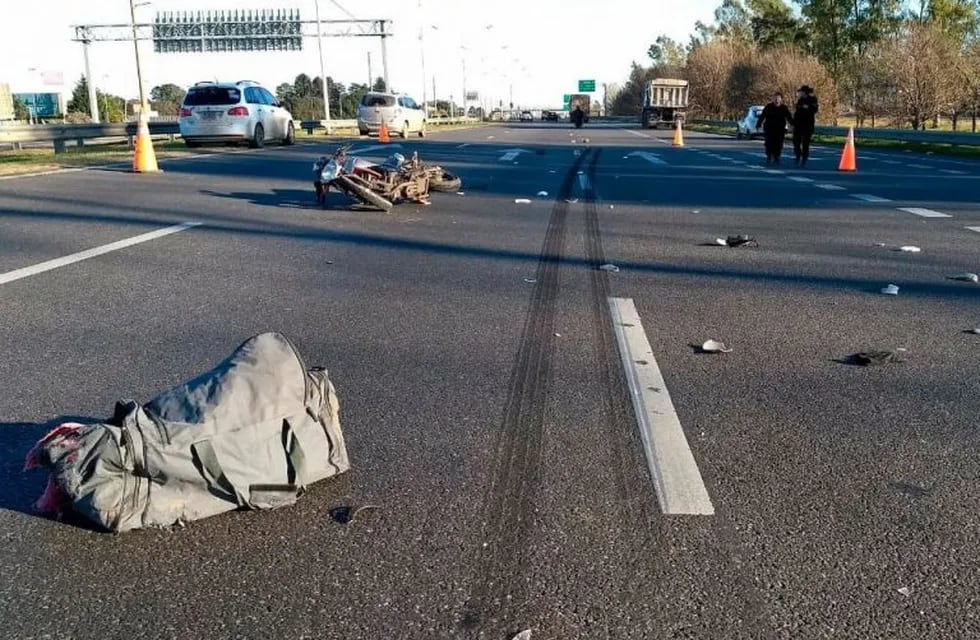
[380, 185]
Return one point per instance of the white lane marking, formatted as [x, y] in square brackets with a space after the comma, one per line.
[583, 181]
[867, 197]
[462, 146]
[800, 179]
[830, 187]
[646, 155]
[33, 270]
[925, 213]
[376, 147]
[775, 172]
[52, 172]
[953, 172]
[893, 162]
[676, 478]
[637, 133]
[510, 155]
[977, 229]
[919, 166]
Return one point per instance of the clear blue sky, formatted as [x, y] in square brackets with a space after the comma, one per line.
[538, 47]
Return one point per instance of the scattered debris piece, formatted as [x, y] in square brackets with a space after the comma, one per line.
[543, 194]
[736, 241]
[557, 335]
[975, 331]
[966, 277]
[571, 200]
[552, 171]
[612, 206]
[490, 137]
[695, 211]
[880, 244]
[610, 268]
[573, 140]
[523, 635]
[872, 358]
[714, 346]
[530, 280]
[890, 290]
[586, 141]
[910, 249]
[347, 515]
[461, 193]
[521, 201]
[905, 591]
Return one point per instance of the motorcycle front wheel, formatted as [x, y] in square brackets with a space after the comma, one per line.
[361, 192]
[444, 181]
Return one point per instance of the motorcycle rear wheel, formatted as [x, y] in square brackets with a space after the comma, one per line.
[444, 181]
[353, 187]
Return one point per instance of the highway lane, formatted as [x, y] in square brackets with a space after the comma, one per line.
[833, 486]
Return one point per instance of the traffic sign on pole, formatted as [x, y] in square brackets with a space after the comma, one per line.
[586, 86]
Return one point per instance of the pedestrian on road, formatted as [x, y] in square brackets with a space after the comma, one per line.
[775, 116]
[804, 122]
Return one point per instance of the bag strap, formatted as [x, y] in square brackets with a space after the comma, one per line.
[207, 464]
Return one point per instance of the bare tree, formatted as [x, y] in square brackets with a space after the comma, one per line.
[709, 70]
[922, 69]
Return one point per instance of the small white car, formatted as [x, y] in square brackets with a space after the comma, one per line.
[402, 114]
[746, 127]
[236, 112]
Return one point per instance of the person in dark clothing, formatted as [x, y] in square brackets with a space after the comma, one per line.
[775, 116]
[804, 122]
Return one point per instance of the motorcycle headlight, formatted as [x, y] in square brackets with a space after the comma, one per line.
[330, 171]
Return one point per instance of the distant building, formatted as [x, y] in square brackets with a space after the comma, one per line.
[42, 105]
[6, 102]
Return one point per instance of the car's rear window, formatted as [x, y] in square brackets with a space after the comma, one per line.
[203, 96]
[377, 101]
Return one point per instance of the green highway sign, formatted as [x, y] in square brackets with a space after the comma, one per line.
[586, 86]
[566, 98]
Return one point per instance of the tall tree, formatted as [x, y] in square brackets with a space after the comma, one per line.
[79, 97]
[167, 98]
[666, 53]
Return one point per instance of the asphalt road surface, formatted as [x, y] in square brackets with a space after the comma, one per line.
[499, 415]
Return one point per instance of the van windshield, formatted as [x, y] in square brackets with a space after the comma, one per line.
[377, 101]
[202, 96]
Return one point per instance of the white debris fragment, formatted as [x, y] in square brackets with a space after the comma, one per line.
[905, 591]
[557, 335]
[461, 193]
[975, 331]
[966, 277]
[910, 249]
[890, 290]
[543, 194]
[695, 211]
[521, 201]
[612, 207]
[721, 242]
[490, 137]
[610, 268]
[571, 200]
[530, 280]
[714, 346]
[523, 635]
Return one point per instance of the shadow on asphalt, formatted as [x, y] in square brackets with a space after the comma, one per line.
[22, 488]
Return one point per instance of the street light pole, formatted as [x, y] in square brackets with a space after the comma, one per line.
[143, 117]
[425, 104]
[323, 75]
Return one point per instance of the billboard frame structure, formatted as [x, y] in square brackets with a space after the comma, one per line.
[353, 28]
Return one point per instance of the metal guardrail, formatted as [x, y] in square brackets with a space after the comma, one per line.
[60, 135]
[899, 135]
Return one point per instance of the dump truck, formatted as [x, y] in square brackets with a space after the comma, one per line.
[664, 102]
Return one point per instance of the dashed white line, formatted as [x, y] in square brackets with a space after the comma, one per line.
[33, 270]
[800, 179]
[919, 166]
[676, 478]
[830, 187]
[775, 172]
[867, 197]
[463, 146]
[925, 213]
[977, 229]
[637, 133]
[892, 162]
[953, 172]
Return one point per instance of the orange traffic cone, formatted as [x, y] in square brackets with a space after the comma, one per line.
[848, 159]
[383, 133]
[145, 160]
[678, 135]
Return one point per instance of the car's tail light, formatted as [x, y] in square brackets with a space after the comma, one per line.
[238, 111]
[185, 113]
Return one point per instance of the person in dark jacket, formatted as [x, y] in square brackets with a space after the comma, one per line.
[775, 116]
[804, 122]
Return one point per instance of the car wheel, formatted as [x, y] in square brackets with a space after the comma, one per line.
[738, 133]
[404, 133]
[290, 135]
[364, 132]
[258, 137]
[422, 131]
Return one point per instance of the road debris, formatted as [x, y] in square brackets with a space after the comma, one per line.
[571, 200]
[975, 331]
[611, 268]
[905, 591]
[714, 346]
[543, 194]
[909, 249]
[890, 290]
[347, 515]
[460, 193]
[966, 277]
[523, 635]
[736, 241]
[872, 358]
[521, 201]
[530, 280]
